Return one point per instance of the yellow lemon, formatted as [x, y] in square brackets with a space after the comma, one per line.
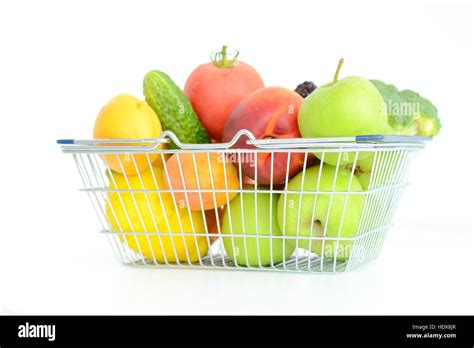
[127, 117]
[154, 212]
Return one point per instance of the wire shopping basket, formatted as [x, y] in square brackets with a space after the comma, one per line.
[320, 205]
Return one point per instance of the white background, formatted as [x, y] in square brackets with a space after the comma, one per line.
[60, 61]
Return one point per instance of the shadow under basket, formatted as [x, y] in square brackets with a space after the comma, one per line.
[319, 205]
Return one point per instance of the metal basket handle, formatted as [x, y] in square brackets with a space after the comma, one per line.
[167, 136]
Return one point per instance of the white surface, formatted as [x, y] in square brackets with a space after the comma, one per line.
[407, 279]
[61, 61]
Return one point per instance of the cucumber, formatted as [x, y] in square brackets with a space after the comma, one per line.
[173, 109]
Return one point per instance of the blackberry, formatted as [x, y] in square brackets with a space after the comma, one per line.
[304, 89]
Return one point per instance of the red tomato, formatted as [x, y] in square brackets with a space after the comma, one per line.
[215, 88]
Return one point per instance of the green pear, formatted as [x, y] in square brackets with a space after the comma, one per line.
[306, 214]
[343, 108]
[248, 213]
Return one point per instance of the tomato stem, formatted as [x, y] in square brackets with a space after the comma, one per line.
[224, 55]
[221, 60]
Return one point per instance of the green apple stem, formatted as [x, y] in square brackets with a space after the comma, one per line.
[336, 75]
[221, 60]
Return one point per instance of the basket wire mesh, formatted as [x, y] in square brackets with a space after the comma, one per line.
[152, 213]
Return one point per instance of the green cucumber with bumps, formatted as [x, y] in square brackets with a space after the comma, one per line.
[173, 108]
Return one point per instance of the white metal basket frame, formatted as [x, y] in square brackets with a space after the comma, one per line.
[393, 156]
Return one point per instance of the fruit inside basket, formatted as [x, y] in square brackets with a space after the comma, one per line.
[230, 174]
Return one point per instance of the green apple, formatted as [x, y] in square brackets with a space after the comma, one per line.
[343, 108]
[364, 170]
[383, 169]
[365, 165]
[364, 180]
[250, 213]
[306, 214]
